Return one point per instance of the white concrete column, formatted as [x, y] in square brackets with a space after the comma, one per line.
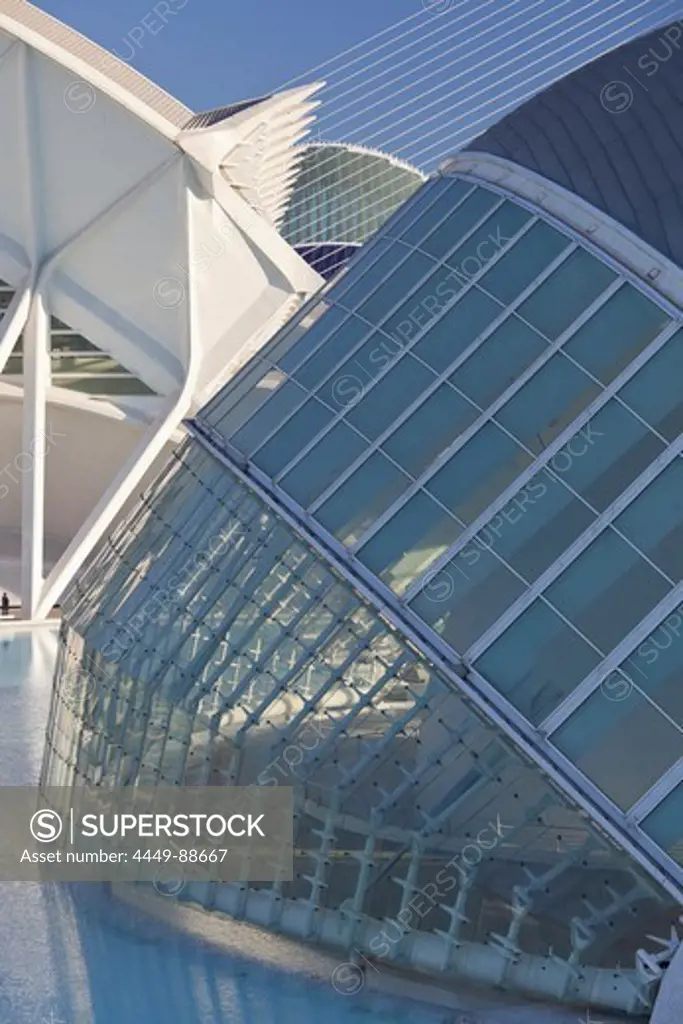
[30, 462]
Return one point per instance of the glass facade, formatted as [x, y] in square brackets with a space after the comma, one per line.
[342, 196]
[439, 593]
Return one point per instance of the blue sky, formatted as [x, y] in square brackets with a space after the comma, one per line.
[216, 51]
[464, 61]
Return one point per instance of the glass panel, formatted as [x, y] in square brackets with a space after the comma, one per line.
[622, 745]
[294, 435]
[446, 236]
[526, 260]
[616, 334]
[656, 666]
[607, 590]
[532, 530]
[320, 323]
[333, 351]
[367, 277]
[462, 602]
[569, 290]
[430, 430]
[654, 521]
[397, 390]
[436, 201]
[547, 403]
[537, 662]
[655, 392]
[287, 398]
[486, 242]
[362, 499]
[404, 276]
[475, 475]
[409, 542]
[448, 337]
[665, 824]
[606, 455]
[499, 360]
[323, 464]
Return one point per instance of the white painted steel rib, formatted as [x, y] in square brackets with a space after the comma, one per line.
[605, 519]
[472, 685]
[614, 660]
[545, 458]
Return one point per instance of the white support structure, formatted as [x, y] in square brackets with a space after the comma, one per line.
[148, 231]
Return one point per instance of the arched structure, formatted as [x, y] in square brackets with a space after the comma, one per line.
[142, 228]
[341, 195]
[437, 587]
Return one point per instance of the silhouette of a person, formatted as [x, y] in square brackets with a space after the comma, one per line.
[5, 603]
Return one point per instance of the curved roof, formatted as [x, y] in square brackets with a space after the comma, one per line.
[612, 133]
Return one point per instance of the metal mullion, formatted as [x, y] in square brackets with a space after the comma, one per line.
[567, 227]
[333, 302]
[496, 709]
[265, 610]
[310, 704]
[657, 793]
[613, 661]
[408, 345]
[313, 705]
[323, 293]
[375, 327]
[605, 519]
[541, 461]
[213, 597]
[309, 653]
[487, 413]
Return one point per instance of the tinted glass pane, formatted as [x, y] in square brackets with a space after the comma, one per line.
[486, 242]
[436, 202]
[617, 333]
[532, 529]
[548, 403]
[398, 389]
[476, 474]
[566, 294]
[323, 464]
[606, 455]
[655, 392]
[528, 257]
[306, 337]
[447, 235]
[430, 429]
[607, 590]
[498, 362]
[409, 542]
[405, 275]
[292, 436]
[448, 337]
[537, 662]
[467, 597]
[333, 350]
[656, 666]
[623, 746]
[287, 398]
[352, 509]
[665, 824]
[655, 521]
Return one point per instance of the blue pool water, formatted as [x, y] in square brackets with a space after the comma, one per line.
[73, 954]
